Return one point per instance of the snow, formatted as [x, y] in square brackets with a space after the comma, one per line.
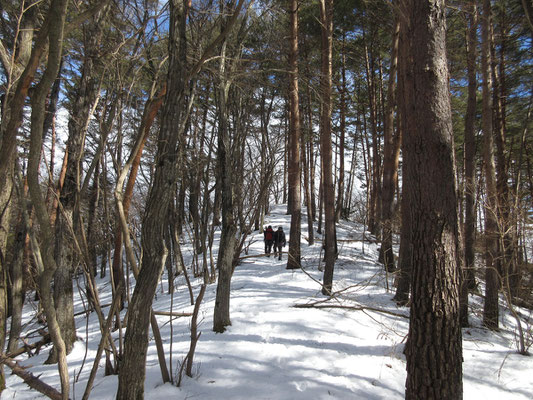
[273, 350]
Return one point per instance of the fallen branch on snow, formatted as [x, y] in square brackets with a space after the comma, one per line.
[354, 308]
[172, 313]
[30, 379]
[27, 347]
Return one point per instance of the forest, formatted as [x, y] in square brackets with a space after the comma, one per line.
[145, 145]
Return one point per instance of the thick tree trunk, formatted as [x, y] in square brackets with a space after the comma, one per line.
[326, 19]
[434, 346]
[294, 258]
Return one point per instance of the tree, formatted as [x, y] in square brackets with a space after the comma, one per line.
[469, 237]
[132, 371]
[47, 266]
[492, 279]
[68, 214]
[293, 260]
[434, 346]
[20, 68]
[326, 20]
[391, 159]
[228, 241]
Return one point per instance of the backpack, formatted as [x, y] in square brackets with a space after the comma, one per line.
[269, 234]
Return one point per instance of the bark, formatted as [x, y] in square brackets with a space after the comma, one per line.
[326, 18]
[490, 310]
[434, 346]
[294, 258]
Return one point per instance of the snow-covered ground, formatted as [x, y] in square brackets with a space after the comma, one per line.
[273, 350]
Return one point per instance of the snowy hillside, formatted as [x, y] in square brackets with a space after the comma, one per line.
[274, 350]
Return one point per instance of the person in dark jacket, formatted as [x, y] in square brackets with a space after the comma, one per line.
[279, 242]
[269, 239]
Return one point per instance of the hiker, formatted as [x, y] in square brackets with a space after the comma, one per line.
[279, 242]
[269, 239]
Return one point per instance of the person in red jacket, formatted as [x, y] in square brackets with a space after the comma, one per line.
[269, 239]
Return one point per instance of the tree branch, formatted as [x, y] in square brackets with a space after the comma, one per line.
[354, 308]
[30, 379]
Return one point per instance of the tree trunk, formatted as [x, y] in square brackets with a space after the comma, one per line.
[307, 191]
[16, 290]
[228, 160]
[490, 311]
[12, 106]
[406, 248]
[342, 129]
[468, 276]
[56, 16]
[434, 346]
[391, 159]
[510, 272]
[68, 213]
[151, 109]
[470, 151]
[326, 19]
[374, 212]
[294, 258]
[221, 314]
[173, 122]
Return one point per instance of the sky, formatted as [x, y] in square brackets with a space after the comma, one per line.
[274, 350]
